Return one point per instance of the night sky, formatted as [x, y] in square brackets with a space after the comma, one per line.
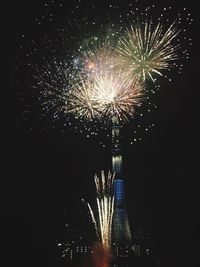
[45, 174]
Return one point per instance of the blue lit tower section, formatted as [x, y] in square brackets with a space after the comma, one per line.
[121, 229]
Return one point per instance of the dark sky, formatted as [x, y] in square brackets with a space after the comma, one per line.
[44, 174]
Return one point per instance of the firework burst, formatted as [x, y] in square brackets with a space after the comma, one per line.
[52, 83]
[104, 96]
[98, 56]
[117, 96]
[147, 49]
[103, 216]
[81, 100]
[99, 49]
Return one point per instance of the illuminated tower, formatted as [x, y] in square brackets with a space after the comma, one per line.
[121, 228]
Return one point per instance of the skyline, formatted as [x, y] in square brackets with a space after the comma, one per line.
[164, 195]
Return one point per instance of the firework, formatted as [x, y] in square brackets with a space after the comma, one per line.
[104, 90]
[103, 59]
[104, 96]
[117, 96]
[98, 56]
[103, 216]
[52, 82]
[81, 100]
[147, 49]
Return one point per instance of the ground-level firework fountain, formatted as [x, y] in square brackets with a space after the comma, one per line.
[102, 216]
[110, 216]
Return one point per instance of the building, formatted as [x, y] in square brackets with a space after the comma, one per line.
[121, 229]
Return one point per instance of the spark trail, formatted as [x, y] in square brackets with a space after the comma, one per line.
[147, 49]
[103, 215]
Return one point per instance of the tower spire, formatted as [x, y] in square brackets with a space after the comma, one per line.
[121, 228]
